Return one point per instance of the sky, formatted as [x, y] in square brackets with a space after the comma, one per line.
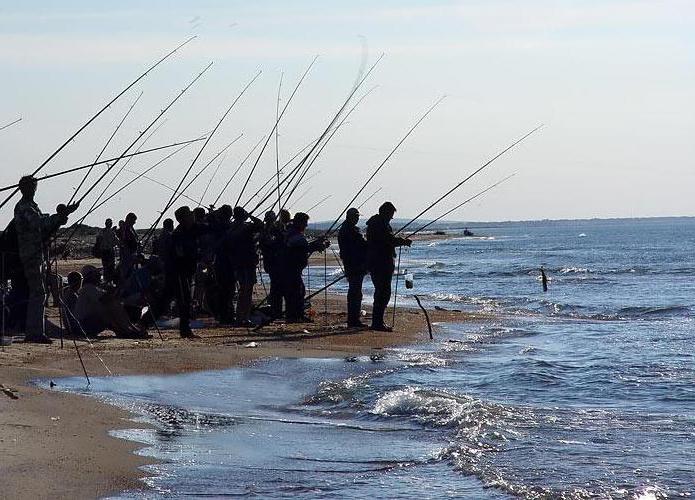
[613, 82]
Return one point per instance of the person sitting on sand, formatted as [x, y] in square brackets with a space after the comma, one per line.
[68, 296]
[97, 310]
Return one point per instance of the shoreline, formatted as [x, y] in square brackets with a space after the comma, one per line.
[55, 444]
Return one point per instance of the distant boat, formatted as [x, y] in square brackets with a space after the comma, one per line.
[582, 235]
[467, 232]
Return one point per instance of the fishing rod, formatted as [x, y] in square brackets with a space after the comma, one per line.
[284, 109]
[11, 123]
[398, 267]
[139, 175]
[272, 177]
[149, 233]
[326, 198]
[168, 187]
[381, 165]
[335, 130]
[481, 168]
[105, 162]
[422, 228]
[89, 172]
[369, 198]
[224, 188]
[141, 134]
[299, 198]
[96, 115]
[272, 205]
[277, 138]
[332, 123]
[212, 177]
[200, 172]
[120, 170]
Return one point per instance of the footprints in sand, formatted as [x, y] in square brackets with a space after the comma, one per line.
[9, 392]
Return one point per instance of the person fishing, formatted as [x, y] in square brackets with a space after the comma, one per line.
[184, 242]
[129, 246]
[34, 229]
[296, 259]
[106, 244]
[272, 244]
[241, 244]
[381, 245]
[353, 253]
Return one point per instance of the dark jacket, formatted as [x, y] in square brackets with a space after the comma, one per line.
[381, 245]
[240, 244]
[272, 245]
[184, 250]
[298, 251]
[353, 248]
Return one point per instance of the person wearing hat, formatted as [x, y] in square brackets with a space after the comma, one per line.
[296, 259]
[185, 259]
[34, 229]
[353, 253]
[381, 252]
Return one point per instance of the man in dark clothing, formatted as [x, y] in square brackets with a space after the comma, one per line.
[107, 241]
[296, 260]
[185, 258]
[225, 283]
[353, 252]
[272, 244]
[129, 246]
[381, 245]
[241, 247]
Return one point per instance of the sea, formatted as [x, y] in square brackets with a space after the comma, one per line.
[584, 391]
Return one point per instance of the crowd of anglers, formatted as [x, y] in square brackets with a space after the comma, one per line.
[208, 261]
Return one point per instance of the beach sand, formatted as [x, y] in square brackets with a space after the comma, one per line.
[56, 445]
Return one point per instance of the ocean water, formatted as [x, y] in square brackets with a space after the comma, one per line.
[586, 391]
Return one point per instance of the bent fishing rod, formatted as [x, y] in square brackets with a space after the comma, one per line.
[332, 128]
[277, 138]
[11, 123]
[89, 172]
[319, 203]
[167, 187]
[469, 177]
[293, 172]
[369, 197]
[328, 128]
[212, 177]
[173, 198]
[275, 125]
[98, 113]
[422, 228]
[337, 279]
[332, 227]
[105, 162]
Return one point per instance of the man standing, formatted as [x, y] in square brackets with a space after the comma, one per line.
[381, 252]
[34, 229]
[185, 258]
[272, 245]
[108, 241]
[129, 246]
[241, 245]
[353, 252]
[296, 259]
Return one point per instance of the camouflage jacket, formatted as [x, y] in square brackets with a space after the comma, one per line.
[33, 230]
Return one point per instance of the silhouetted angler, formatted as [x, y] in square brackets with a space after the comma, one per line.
[34, 229]
[381, 245]
[185, 258]
[129, 246]
[106, 245]
[272, 245]
[353, 252]
[296, 259]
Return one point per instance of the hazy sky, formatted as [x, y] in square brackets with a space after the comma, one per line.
[614, 82]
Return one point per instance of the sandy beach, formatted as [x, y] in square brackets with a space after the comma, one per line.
[56, 445]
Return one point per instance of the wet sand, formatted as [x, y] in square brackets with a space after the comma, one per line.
[56, 445]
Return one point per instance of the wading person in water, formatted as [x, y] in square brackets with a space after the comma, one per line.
[544, 279]
[353, 252]
[381, 252]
